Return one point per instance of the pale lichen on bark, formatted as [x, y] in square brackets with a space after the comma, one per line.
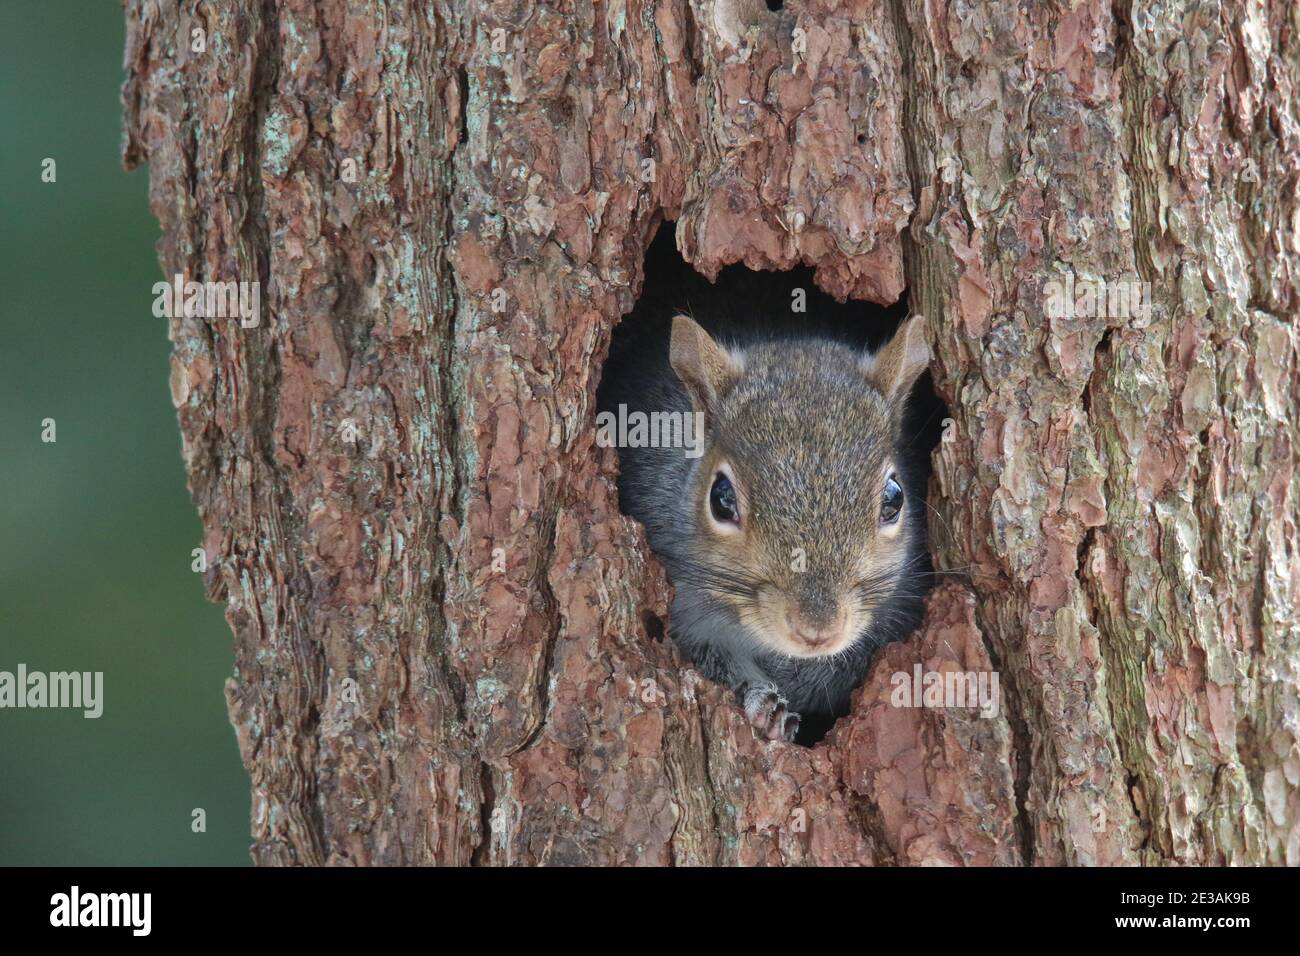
[1121, 495]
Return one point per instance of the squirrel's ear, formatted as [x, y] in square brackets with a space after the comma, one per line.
[899, 363]
[705, 367]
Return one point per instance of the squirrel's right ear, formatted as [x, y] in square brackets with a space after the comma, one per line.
[706, 369]
[899, 363]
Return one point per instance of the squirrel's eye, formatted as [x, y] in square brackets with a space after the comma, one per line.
[722, 500]
[891, 502]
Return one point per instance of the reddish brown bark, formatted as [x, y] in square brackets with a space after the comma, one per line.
[1121, 492]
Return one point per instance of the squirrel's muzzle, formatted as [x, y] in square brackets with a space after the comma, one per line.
[826, 630]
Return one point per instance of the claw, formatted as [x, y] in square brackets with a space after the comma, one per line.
[769, 712]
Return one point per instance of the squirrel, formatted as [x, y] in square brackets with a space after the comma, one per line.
[795, 537]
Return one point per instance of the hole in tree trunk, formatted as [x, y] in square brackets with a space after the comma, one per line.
[654, 627]
[709, 534]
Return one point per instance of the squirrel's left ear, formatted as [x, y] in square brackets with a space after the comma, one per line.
[895, 368]
[706, 368]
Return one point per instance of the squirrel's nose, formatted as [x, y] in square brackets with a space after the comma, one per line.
[812, 633]
[810, 637]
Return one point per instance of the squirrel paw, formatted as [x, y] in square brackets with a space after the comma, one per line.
[768, 711]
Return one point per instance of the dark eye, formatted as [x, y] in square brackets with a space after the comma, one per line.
[891, 502]
[722, 500]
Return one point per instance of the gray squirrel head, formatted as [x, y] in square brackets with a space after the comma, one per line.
[798, 512]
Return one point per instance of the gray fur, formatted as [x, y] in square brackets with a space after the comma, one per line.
[810, 432]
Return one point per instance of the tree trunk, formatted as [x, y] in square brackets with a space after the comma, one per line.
[448, 641]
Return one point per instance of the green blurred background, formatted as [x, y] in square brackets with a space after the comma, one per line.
[96, 529]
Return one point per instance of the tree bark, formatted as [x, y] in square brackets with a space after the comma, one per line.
[449, 643]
